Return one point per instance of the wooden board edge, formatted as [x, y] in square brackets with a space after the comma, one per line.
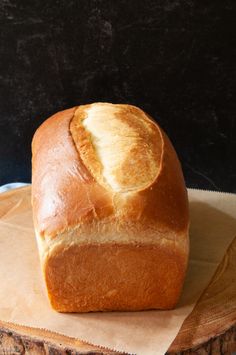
[223, 344]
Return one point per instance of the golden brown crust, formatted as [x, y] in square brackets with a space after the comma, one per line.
[63, 190]
[68, 200]
[114, 277]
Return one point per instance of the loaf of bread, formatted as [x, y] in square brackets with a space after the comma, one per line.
[110, 210]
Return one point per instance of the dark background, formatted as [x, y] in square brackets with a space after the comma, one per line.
[174, 59]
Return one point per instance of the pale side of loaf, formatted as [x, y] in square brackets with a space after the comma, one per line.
[110, 210]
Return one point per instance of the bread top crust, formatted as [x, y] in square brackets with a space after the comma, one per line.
[118, 144]
[70, 188]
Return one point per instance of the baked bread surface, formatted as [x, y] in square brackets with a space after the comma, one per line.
[110, 210]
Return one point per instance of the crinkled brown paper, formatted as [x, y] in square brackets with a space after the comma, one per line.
[22, 294]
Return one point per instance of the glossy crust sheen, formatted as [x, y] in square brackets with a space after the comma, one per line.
[101, 249]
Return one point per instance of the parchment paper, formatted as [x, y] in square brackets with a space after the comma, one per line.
[22, 294]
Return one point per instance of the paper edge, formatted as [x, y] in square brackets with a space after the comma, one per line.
[4, 324]
[213, 191]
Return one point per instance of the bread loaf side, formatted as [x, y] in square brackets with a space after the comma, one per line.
[110, 210]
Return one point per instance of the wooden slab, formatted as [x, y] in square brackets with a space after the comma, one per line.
[211, 327]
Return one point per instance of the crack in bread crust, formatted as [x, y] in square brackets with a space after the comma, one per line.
[119, 145]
